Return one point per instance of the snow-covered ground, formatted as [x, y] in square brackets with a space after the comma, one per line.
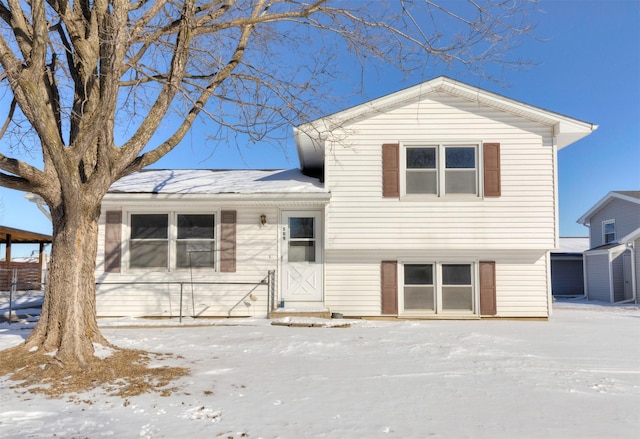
[575, 376]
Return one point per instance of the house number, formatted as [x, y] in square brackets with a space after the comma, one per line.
[284, 234]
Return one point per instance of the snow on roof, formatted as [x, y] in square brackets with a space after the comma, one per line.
[210, 181]
[573, 245]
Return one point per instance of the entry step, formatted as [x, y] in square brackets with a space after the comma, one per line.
[278, 313]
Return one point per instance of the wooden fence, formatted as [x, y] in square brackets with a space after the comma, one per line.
[28, 276]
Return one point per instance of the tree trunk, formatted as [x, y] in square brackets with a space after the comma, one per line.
[68, 321]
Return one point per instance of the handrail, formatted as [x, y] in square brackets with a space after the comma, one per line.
[264, 281]
[268, 281]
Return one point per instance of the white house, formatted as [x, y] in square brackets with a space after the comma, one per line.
[438, 201]
[612, 263]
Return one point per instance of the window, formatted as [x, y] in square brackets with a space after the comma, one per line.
[195, 243]
[437, 288]
[149, 244]
[302, 241]
[441, 170]
[418, 287]
[609, 231]
[168, 241]
[457, 291]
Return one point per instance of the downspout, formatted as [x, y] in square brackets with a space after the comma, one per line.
[556, 202]
[634, 274]
[585, 276]
[39, 202]
[610, 268]
[556, 222]
[549, 286]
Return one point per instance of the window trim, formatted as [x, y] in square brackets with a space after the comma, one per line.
[604, 233]
[437, 284]
[441, 170]
[172, 241]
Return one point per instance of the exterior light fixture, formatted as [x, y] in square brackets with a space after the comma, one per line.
[263, 219]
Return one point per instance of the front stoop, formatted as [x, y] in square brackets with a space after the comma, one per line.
[315, 313]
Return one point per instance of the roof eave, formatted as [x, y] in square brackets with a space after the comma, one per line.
[227, 198]
[584, 219]
[567, 130]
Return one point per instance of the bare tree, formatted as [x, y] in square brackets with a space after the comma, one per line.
[90, 83]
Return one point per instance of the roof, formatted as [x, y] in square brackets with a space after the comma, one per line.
[209, 181]
[573, 244]
[19, 236]
[603, 247]
[630, 196]
[310, 136]
[631, 236]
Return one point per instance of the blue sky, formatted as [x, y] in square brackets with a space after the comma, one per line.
[587, 59]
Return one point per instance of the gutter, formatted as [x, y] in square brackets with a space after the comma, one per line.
[37, 199]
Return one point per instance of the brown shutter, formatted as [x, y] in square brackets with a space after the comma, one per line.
[113, 241]
[391, 170]
[492, 185]
[389, 283]
[228, 241]
[488, 289]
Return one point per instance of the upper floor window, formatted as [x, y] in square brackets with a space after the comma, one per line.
[609, 231]
[441, 170]
[168, 241]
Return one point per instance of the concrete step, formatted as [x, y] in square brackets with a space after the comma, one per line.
[300, 312]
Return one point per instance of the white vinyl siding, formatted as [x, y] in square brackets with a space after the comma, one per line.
[352, 284]
[133, 294]
[523, 217]
[516, 229]
[353, 281]
[521, 287]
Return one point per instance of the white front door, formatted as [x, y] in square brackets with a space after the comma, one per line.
[301, 238]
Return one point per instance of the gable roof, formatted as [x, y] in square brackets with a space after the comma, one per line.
[631, 196]
[309, 136]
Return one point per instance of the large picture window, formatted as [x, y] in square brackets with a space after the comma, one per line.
[437, 288]
[441, 170]
[172, 241]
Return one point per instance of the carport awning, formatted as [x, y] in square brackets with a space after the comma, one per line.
[17, 236]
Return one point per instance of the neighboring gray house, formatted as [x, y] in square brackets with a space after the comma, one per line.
[567, 273]
[612, 264]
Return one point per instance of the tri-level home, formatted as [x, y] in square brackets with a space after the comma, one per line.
[612, 263]
[438, 201]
